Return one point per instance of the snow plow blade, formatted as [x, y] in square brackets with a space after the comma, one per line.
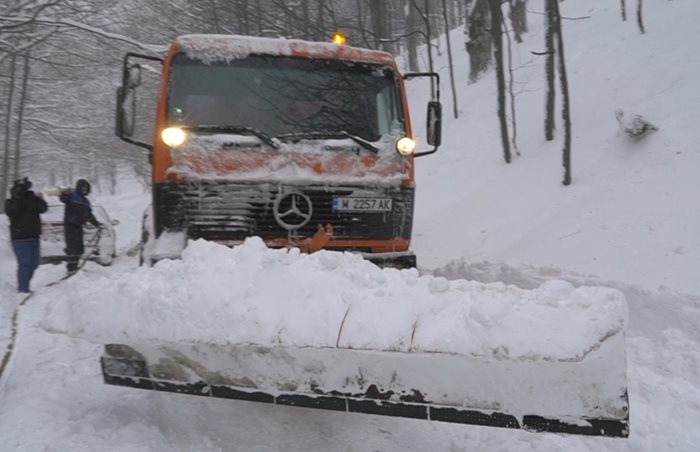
[333, 331]
[586, 397]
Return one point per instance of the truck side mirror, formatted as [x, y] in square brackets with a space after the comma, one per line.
[434, 123]
[125, 112]
[126, 126]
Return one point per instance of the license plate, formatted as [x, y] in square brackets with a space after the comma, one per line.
[342, 204]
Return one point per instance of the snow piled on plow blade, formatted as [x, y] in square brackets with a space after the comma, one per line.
[329, 323]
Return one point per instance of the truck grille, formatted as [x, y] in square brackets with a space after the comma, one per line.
[233, 211]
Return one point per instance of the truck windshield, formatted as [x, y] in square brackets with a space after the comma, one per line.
[286, 96]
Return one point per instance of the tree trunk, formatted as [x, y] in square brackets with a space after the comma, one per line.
[306, 19]
[412, 39]
[4, 184]
[215, 16]
[320, 23]
[623, 10]
[261, 29]
[496, 34]
[378, 14]
[511, 90]
[565, 115]
[478, 40]
[429, 47]
[518, 18]
[455, 110]
[640, 22]
[549, 72]
[20, 116]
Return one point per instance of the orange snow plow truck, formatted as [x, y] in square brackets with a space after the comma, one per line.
[310, 145]
[302, 144]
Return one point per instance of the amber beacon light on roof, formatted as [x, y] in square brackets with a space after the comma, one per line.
[339, 38]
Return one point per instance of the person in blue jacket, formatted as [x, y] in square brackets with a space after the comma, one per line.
[23, 209]
[77, 212]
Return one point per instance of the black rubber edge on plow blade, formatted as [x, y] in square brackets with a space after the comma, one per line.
[473, 417]
[400, 262]
[137, 377]
[131, 373]
[227, 392]
[199, 388]
[597, 427]
[388, 408]
[320, 402]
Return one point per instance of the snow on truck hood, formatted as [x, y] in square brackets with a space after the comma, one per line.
[253, 294]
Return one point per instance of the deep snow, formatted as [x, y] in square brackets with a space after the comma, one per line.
[627, 222]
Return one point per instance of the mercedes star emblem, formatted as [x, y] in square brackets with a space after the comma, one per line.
[292, 210]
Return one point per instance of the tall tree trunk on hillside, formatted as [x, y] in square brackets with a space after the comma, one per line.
[549, 72]
[412, 36]
[640, 22]
[259, 14]
[478, 38]
[497, 36]
[428, 44]
[518, 18]
[20, 116]
[378, 14]
[4, 184]
[565, 110]
[215, 16]
[511, 90]
[445, 17]
[306, 20]
[360, 14]
[320, 22]
[623, 10]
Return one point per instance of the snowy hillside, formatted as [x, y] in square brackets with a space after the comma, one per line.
[629, 214]
[628, 222]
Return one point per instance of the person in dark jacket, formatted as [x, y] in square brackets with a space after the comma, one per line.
[77, 212]
[23, 209]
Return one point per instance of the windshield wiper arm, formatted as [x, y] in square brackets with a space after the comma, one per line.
[238, 130]
[323, 135]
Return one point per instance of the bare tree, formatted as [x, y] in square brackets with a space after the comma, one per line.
[511, 90]
[4, 183]
[623, 10]
[518, 18]
[20, 115]
[478, 38]
[566, 117]
[412, 36]
[496, 35]
[455, 110]
[640, 22]
[549, 72]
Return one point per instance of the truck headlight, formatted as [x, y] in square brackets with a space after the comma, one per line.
[405, 146]
[173, 136]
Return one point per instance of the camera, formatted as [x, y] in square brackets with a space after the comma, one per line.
[20, 187]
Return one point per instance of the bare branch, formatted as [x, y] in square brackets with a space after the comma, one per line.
[89, 29]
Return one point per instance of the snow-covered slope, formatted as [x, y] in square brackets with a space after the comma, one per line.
[630, 214]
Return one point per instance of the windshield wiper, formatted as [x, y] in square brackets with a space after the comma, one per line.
[325, 135]
[237, 130]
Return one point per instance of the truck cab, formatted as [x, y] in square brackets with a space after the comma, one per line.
[300, 143]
